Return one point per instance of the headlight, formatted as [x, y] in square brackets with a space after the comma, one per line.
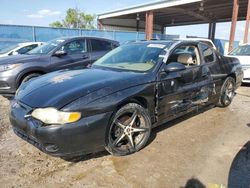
[53, 116]
[8, 67]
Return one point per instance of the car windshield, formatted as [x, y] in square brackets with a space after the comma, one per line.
[46, 48]
[7, 49]
[134, 57]
[241, 50]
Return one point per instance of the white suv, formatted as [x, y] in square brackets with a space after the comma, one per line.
[242, 52]
[19, 48]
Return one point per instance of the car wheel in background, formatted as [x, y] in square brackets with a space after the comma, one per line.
[129, 130]
[227, 92]
[29, 77]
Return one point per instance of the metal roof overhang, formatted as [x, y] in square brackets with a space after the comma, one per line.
[169, 13]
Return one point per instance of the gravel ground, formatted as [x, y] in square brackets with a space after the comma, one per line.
[211, 147]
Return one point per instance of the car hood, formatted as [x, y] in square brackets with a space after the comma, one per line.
[59, 88]
[244, 60]
[14, 59]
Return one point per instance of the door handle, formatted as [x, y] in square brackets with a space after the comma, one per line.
[205, 74]
[85, 56]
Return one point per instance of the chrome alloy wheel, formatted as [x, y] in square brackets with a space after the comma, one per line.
[129, 131]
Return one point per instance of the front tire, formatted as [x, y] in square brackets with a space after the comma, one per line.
[227, 92]
[29, 77]
[129, 130]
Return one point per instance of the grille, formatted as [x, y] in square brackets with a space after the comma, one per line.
[245, 67]
[28, 139]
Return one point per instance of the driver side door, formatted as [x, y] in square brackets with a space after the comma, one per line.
[180, 92]
[76, 56]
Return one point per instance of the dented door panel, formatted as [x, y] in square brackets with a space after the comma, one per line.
[180, 91]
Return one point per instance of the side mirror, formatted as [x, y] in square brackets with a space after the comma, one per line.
[60, 53]
[174, 67]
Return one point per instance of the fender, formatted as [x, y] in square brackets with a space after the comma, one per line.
[30, 69]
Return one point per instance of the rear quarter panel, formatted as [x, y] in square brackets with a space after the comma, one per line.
[231, 66]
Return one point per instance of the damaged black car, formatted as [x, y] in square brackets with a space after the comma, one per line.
[115, 103]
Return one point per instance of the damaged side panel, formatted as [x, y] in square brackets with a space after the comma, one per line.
[184, 91]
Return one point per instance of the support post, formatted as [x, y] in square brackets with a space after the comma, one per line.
[138, 23]
[211, 30]
[34, 33]
[162, 30]
[233, 24]
[247, 23]
[149, 25]
[100, 25]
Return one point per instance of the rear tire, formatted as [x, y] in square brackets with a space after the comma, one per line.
[129, 130]
[227, 92]
[29, 77]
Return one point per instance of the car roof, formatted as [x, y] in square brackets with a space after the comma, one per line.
[196, 39]
[165, 41]
[84, 37]
[205, 40]
[246, 44]
[29, 43]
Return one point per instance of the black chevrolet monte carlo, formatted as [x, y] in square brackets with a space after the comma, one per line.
[115, 103]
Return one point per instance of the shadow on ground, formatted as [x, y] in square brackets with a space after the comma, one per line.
[154, 133]
[169, 124]
[239, 175]
[245, 85]
[194, 183]
[85, 157]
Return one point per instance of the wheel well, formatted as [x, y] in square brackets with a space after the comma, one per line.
[233, 76]
[139, 100]
[28, 73]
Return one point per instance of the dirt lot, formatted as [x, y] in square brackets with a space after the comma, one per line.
[204, 147]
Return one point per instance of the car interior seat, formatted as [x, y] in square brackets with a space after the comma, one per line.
[185, 59]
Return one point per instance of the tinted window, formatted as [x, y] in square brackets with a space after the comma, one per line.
[208, 53]
[75, 47]
[100, 45]
[208, 43]
[26, 49]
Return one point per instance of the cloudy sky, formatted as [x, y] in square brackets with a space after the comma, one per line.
[43, 12]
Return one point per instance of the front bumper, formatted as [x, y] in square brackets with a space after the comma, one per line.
[82, 137]
[246, 78]
[7, 84]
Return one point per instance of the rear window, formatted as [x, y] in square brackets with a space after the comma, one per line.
[26, 49]
[100, 45]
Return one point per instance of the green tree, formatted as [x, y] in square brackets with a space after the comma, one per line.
[76, 19]
[56, 24]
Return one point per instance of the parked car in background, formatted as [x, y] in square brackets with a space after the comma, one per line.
[62, 53]
[242, 52]
[19, 48]
[115, 103]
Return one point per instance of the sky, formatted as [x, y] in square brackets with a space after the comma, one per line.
[44, 12]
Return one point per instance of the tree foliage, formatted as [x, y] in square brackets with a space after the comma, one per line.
[76, 19]
[56, 24]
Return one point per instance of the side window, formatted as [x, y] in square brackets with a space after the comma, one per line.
[187, 55]
[26, 49]
[75, 47]
[100, 45]
[207, 53]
